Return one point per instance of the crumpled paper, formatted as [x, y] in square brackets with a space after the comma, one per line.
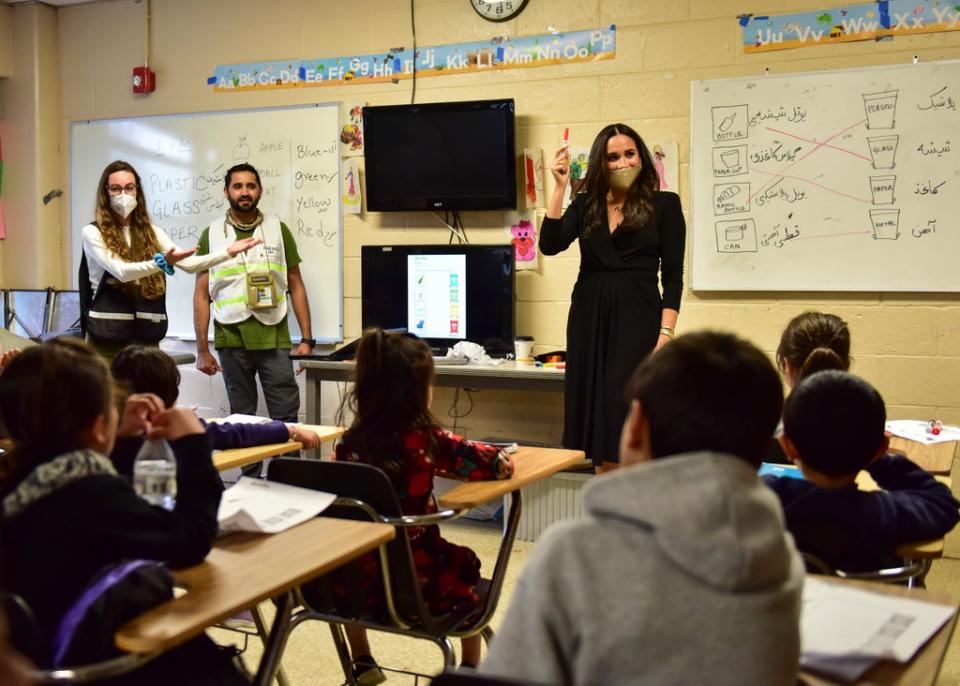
[473, 352]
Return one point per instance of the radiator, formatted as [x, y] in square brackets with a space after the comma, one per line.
[550, 500]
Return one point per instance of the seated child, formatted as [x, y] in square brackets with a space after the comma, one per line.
[146, 369]
[394, 430]
[833, 426]
[680, 572]
[811, 342]
[67, 513]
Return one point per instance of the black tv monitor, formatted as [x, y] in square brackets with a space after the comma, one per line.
[440, 156]
[442, 293]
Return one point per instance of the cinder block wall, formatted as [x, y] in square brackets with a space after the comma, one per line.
[908, 345]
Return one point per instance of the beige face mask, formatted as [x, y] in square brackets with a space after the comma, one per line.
[622, 179]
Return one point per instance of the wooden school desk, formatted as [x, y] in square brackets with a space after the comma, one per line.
[506, 376]
[922, 670]
[245, 569]
[238, 457]
[936, 458]
[530, 465]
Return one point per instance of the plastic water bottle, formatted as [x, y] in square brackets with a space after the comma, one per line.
[155, 474]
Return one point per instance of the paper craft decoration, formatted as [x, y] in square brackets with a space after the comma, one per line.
[351, 187]
[533, 177]
[522, 230]
[665, 155]
[351, 131]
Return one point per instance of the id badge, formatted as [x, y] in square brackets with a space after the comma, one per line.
[260, 294]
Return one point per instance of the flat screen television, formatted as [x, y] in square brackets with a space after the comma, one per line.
[442, 293]
[440, 156]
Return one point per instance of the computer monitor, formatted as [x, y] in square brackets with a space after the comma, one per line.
[442, 293]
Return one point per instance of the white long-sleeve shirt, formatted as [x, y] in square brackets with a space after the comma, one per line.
[101, 259]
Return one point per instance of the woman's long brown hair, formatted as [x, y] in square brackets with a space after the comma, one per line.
[143, 243]
[638, 206]
[389, 399]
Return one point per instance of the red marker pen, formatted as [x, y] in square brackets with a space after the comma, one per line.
[566, 137]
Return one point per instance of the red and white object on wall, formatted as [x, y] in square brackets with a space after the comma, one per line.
[144, 80]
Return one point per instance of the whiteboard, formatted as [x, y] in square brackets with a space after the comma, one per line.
[828, 181]
[182, 160]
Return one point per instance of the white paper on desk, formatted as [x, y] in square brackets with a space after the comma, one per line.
[917, 431]
[841, 624]
[245, 419]
[267, 506]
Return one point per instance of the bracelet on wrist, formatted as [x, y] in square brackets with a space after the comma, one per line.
[312, 342]
[161, 261]
[667, 331]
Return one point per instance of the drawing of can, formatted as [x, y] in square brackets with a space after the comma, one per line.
[881, 189]
[886, 224]
[881, 108]
[735, 233]
[883, 151]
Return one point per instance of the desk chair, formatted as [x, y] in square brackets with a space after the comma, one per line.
[366, 493]
[25, 637]
[462, 678]
[913, 572]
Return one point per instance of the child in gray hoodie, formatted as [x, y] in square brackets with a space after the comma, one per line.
[681, 572]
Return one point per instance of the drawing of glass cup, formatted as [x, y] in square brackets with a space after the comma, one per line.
[886, 224]
[731, 158]
[881, 108]
[883, 151]
[881, 189]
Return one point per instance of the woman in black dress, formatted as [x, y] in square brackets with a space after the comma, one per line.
[628, 230]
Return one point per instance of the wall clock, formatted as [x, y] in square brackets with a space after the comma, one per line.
[491, 10]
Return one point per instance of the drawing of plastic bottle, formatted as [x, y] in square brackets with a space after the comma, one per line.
[881, 109]
[886, 224]
[883, 151]
[881, 189]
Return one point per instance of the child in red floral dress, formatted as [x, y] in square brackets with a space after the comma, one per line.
[394, 430]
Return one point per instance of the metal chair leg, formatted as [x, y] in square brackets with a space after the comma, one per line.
[262, 631]
[276, 640]
[449, 657]
[488, 635]
[340, 641]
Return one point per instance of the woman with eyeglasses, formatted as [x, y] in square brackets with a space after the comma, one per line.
[126, 259]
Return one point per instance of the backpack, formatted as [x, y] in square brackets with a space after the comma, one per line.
[118, 594]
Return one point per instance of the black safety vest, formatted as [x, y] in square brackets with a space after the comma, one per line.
[110, 315]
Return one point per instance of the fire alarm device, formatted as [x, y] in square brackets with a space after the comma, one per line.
[144, 80]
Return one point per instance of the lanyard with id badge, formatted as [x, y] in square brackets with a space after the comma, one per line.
[261, 290]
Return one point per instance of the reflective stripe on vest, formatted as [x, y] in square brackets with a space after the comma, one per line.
[228, 280]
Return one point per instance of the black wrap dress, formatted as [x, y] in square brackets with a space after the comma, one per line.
[614, 318]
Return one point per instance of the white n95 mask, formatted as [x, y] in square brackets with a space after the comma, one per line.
[622, 179]
[123, 204]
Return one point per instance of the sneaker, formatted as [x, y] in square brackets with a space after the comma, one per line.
[367, 672]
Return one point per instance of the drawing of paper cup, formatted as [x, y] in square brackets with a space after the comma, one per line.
[881, 108]
[731, 158]
[883, 151]
[886, 224]
[881, 189]
[735, 233]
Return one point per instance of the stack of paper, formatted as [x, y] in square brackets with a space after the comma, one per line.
[846, 630]
[914, 430]
[267, 506]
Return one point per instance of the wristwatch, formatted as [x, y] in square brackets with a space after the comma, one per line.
[312, 342]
